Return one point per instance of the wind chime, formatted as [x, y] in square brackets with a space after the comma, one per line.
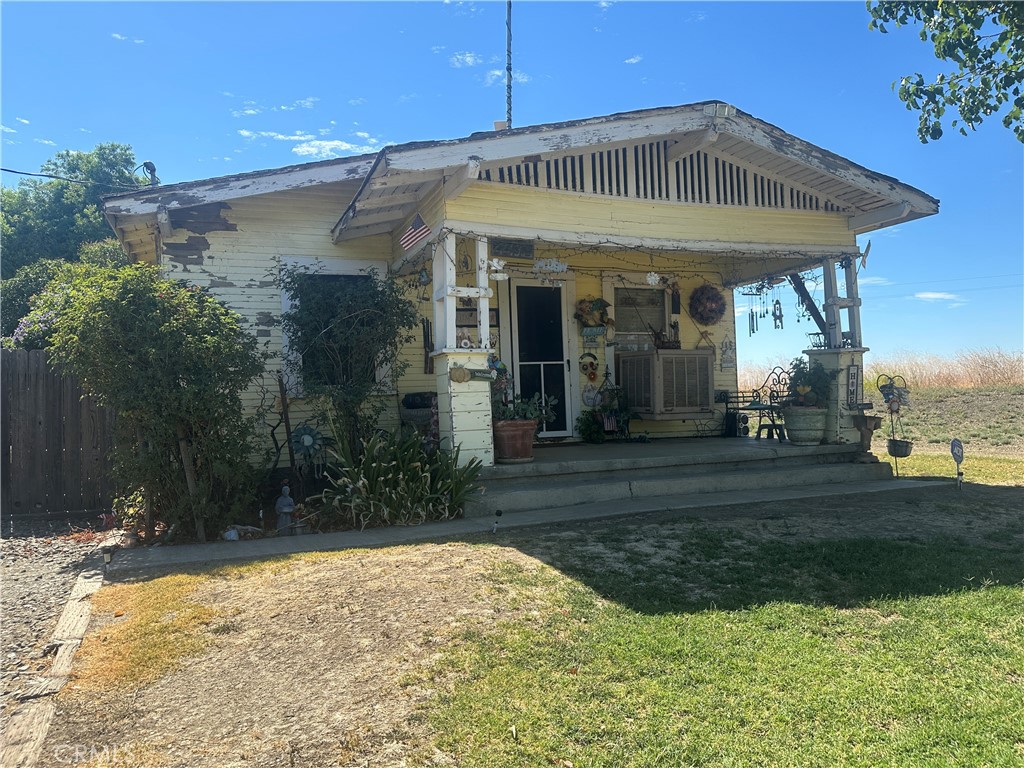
[764, 302]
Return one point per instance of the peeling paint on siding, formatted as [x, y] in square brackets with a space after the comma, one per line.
[203, 219]
[188, 254]
[266, 318]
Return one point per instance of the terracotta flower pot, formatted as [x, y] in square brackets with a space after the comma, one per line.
[513, 440]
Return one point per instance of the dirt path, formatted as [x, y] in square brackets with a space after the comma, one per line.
[317, 660]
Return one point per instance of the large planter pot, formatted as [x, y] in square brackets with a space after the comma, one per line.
[805, 426]
[513, 440]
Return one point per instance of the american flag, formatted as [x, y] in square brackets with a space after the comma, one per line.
[416, 232]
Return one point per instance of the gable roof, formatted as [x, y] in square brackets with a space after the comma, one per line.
[405, 173]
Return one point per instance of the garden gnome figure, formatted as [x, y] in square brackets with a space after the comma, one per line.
[284, 507]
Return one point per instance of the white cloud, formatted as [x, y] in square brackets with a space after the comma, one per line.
[138, 41]
[274, 135]
[325, 150]
[229, 94]
[306, 103]
[5, 129]
[494, 75]
[604, 5]
[85, 130]
[936, 296]
[356, 102]
[465, 59]
[118, 37]
[634, 59]
[362, 134]
[438, 48]
[407, 97]
[874, 281]
[22, 120]
[47, 142]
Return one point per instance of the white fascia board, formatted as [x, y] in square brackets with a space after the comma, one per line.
[779, 142]
[879, 218]
[552, 140]
[231, 188]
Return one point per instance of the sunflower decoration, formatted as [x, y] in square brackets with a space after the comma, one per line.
[707, 305]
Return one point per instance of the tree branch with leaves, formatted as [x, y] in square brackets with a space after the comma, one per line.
[986, 43]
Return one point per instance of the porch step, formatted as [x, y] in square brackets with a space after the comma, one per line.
[553, 484]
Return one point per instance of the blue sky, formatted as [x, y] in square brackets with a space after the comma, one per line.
[207, 89]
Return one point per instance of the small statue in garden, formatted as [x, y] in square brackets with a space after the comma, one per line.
[285, 507]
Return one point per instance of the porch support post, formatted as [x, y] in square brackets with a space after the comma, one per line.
[444, 298]
[832, 321]
[483, 301]
[463, 402]
[853, 298]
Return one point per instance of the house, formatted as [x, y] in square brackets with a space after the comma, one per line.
[610, 243]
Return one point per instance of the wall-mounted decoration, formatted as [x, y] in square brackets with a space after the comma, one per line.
[728, 355]
[592, 336]
[467, 317]
[502, 248]
[592, 313]
[707, 304]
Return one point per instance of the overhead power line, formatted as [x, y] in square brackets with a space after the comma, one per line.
[83, 182]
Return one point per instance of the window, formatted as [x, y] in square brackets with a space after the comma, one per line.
[639, 316]
[331, 310]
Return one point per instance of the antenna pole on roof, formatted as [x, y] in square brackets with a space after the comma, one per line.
[508, 65]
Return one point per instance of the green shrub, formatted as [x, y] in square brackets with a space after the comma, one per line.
[172, 361]
[590, 425]
[396, 481]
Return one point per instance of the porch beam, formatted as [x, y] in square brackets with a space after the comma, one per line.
[459, 181]
[389, 201]
[878, 218]
[801, 290]
[781, 250]
[355, 233]
[691, 143]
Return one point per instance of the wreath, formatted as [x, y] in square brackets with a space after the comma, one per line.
[707, 305]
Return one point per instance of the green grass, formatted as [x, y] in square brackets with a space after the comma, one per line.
[718, 649]
[990, 470]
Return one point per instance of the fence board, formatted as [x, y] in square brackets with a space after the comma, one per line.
[54, 442]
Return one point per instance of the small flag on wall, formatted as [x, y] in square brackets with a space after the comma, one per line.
[416, 232]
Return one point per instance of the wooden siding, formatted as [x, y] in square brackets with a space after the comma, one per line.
[574, 213]
[235, 264]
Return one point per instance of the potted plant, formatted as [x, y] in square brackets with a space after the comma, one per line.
[806, 407]
[515, 418]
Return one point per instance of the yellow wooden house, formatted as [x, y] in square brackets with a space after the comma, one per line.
[608, 245]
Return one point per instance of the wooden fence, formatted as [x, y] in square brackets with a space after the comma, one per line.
[54, 441]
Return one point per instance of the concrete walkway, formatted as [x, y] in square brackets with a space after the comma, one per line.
[168, 558]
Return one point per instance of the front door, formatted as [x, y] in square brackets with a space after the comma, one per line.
[539, 349]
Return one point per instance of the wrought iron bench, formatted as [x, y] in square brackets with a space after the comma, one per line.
[766, 401]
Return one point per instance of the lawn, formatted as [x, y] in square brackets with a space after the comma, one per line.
[674, 643]
[879, 630]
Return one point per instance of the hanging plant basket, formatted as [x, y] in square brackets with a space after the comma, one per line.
[707, 305]
[899, 449]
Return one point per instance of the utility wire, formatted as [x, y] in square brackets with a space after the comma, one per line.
[83, 182]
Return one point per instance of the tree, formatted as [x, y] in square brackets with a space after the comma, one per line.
[52, 219]
[172, 361]
[986, 42]
[16, 293]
